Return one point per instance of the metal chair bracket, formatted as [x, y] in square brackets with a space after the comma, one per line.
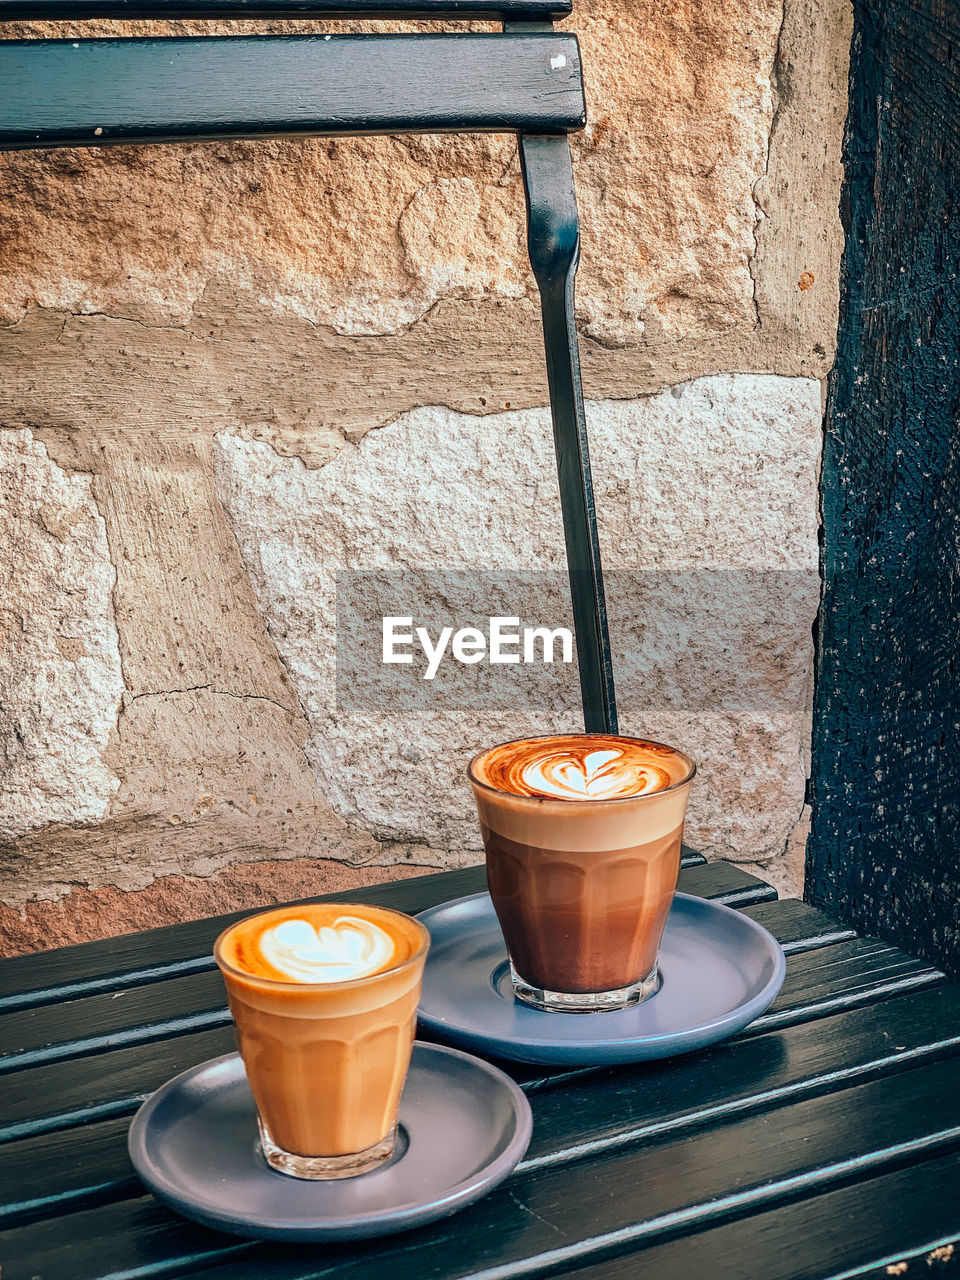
[553, 242]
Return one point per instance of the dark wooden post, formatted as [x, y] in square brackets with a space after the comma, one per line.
[885, 846]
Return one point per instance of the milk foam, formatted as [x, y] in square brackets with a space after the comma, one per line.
[594, 775]
[349, 948]
[581, 767]
[587, 792]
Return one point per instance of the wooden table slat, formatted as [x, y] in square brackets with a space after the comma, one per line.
[154, 954]
[59, 1094]
[842, 976]
[866, 1230]
[616, 1107]
[611, 1108]
[546, 1218]
[798, 925]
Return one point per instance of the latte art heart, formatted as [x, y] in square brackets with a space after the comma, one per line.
[581, 767]
[346, 949]
[593, 775]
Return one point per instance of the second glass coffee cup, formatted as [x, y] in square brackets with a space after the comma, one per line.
[582, 834]
[324, 1001]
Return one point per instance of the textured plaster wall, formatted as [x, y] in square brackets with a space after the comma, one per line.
[206, 345]
[441, 217]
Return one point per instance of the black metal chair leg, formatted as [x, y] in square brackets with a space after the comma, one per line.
[553, 239]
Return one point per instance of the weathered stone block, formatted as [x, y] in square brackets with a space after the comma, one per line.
[60, 677]
[240, 286]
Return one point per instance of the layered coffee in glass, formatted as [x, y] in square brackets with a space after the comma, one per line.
[582, 834]
[324, 1000]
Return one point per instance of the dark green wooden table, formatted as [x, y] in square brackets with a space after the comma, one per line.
[822, 1142]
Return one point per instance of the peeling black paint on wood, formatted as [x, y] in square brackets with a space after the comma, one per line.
[885, 847]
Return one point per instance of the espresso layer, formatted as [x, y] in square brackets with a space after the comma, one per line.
[577, 921]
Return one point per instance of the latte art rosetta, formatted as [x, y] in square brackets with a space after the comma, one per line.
[338, 952]
[581, 767]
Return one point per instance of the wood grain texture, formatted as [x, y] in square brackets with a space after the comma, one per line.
[799, 926]
[545, 1217]
[866, 1229]
[886, 764]
[100, 92]
[60, 1085]
[64, 1170]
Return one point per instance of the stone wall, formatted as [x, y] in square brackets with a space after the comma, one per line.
[229, 371]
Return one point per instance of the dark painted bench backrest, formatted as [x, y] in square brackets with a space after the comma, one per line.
[96, 92]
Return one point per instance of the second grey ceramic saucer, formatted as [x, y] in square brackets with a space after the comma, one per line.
[719, 971]
[463, 1127]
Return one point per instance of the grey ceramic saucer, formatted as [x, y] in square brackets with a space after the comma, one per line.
[463, 1127]
[719, 970]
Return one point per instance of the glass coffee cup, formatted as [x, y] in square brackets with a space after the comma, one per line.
[582, 834]
[324, 1001]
